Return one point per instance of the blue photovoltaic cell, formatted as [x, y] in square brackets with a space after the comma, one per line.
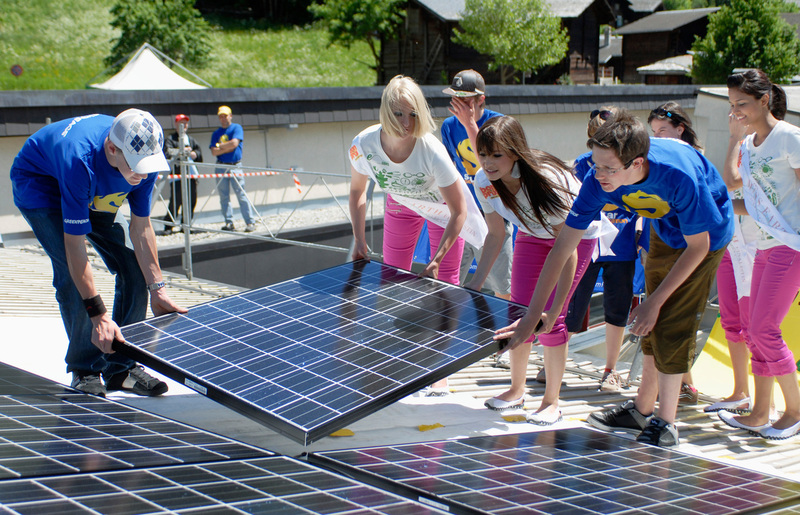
[562, 471]
[308, 356]
[275, 485]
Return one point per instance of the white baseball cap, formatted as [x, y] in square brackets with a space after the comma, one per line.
[141, 139]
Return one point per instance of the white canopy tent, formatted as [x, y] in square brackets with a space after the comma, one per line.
[146, 71]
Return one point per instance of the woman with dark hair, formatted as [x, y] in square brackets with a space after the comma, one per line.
[534, 191]
[766, 153]
[669, 120]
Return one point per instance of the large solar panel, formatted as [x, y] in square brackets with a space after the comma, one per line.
[562, 471]
[48, 434]
[275, 485]
[310, 355]
[14, 381]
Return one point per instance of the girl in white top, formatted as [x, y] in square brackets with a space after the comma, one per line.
[768, 170]
[533, 190]
[408, 162]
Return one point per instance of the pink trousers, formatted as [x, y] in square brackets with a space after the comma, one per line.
[401, 228]
[734, 313]
[776, 279]
[530, 253]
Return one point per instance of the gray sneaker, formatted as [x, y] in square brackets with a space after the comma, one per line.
[624, 417]
[137, 381]
[250, 228]
[659, 433]
[611, 382]
[88, 383]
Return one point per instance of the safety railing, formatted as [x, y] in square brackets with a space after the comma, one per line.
[325, 186]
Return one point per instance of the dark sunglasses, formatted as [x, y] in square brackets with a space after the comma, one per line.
[603, 114]
[660, 111]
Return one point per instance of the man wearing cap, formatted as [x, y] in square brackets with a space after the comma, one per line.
[69, 181]
[469, 103]
[172, 146]
[227, 143]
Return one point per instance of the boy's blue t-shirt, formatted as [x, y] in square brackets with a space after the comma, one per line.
[624, 245]
[233, 131]
[456, 141]
[683, 194]
[64, 165]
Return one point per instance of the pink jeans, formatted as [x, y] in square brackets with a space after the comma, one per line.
[401, 228]
[530, 253]
[734, 313]
[776, 279]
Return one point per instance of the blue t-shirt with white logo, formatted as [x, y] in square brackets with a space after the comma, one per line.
[64, 165]
[683, 194]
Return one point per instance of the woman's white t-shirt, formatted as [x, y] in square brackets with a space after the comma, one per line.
[490, 202]
[772, 166]
[420, 176]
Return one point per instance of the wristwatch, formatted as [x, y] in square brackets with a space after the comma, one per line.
[156, 286]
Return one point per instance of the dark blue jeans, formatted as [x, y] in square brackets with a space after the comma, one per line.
[130, 291]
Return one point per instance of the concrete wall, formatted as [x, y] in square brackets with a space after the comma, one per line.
[318, 147]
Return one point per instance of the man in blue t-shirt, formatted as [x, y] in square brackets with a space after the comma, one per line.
[671, 183]
[69, 181]
[469, 99]
[227, 144]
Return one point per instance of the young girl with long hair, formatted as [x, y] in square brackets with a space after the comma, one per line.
[533, 190]
[768, 171]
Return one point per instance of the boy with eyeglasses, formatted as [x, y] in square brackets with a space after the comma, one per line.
[618, 264]
[692, 222]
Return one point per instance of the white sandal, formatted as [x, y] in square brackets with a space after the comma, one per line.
[499, 404]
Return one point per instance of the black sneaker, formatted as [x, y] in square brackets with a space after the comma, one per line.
[659, 433]
[138, 381]
[624, 417]
[88, 383]
[229, 227]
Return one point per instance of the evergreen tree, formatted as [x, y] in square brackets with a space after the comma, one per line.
[747, 34]
[173, 26]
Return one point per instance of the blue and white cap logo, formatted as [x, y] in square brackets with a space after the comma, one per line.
[141, 140]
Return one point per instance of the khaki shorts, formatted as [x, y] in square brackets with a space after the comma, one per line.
[673, 339]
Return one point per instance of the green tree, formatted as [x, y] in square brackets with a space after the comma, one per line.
[517, 34]
[349, 21]
[173, 26]
[746, 34]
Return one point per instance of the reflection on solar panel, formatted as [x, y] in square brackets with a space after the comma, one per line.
[310, 355]
[14, 381]
[274, 485]
[46, 435]
[562, 471]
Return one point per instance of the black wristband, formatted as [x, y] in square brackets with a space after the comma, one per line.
[94, 306]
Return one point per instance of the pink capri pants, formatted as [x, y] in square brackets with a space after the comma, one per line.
[734, 313]
[776, 279]
[401, 228]
[530, 253]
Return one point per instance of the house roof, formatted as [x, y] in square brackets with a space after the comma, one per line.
[613, 49]
[450, 10]
[678, 65]
[665, 21]
[645, 6]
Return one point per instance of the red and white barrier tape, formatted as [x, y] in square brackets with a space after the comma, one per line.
[297, 183]
[221, 175]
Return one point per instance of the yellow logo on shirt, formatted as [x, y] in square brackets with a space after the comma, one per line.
[468, 158]
[646, 204]
[108, 203]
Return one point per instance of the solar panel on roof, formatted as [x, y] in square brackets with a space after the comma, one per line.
[562, 471]
[310, 355]
[14, 381]
[47, 435]
[275, 485]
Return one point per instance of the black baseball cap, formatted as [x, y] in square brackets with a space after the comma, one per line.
[466, 83]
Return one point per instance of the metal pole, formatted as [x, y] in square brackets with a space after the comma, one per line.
[186, 225]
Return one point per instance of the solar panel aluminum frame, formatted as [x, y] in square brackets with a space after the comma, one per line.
[498, 313]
